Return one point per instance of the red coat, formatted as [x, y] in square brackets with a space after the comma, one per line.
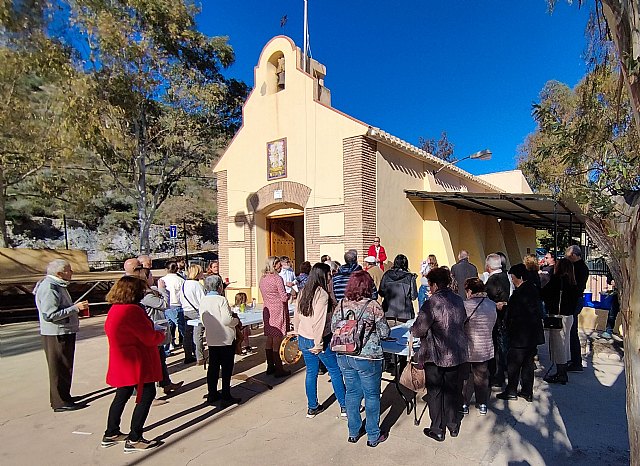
[380, 257]
[133, 347]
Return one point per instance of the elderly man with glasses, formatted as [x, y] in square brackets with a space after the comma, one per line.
[59, 323]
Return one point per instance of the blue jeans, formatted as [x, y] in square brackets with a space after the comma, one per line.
[312, 361]
[175, 315]
[613, 313]
[362, 378]
[423, 295]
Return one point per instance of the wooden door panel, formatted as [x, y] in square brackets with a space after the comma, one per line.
[282, 238]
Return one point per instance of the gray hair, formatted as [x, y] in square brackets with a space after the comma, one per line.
[212, 283]
[57, 266]
[493, 262]
[573, 249]
[351, 256]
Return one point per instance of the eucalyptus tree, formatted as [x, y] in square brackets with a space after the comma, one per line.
[586, 147]
[162, 107]
[40, 92]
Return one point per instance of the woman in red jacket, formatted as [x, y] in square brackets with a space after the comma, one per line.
[134, 362]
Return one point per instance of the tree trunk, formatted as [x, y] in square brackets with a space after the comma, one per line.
[618, 239]
[143, 217]
[4, 238]
[623, 19]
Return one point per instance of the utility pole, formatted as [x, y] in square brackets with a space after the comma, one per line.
[305, 54]
[186, 248]
[66, 238]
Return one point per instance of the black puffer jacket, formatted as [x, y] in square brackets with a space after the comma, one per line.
[524, 317]
[398, 288]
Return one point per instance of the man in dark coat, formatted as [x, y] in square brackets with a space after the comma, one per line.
[581, 271]
[498, 289]
[523, 321]
[341, 278]
[462, 270]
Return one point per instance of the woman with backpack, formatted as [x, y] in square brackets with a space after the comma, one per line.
[362, 371]
[312, 324]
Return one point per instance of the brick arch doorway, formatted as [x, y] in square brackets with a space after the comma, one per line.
[285, 237]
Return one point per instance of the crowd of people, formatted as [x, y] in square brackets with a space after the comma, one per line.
[476, 331]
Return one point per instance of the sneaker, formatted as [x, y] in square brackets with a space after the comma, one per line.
[383, 436]
[482, 409]
[606, 335]
[311, 413]
[159, 402]
[343, 412]
[140, 445]
[465, 409]
[111, 440]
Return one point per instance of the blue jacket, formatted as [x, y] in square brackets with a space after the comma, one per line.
[341, 278]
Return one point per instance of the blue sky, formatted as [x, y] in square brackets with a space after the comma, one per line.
[415, 68]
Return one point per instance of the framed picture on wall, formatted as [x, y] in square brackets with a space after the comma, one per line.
[277, 159]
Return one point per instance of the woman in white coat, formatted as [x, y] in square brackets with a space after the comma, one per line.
[219, 324]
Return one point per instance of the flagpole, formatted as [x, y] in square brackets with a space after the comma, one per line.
[306, 38]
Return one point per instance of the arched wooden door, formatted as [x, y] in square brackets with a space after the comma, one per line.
[282, 241]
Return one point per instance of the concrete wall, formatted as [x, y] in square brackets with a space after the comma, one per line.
[512, 181]
[400, 222]
[312, 131]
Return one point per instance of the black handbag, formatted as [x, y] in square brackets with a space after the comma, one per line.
[554, 321]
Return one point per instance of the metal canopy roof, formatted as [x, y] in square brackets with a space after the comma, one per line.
[531, 210]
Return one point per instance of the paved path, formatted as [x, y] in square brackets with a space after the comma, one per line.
[580, 423]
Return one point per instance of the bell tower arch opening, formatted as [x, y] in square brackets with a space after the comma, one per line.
[276, 73]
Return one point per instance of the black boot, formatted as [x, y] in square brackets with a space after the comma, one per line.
[560, 376]
[271, 367]
[280, 371]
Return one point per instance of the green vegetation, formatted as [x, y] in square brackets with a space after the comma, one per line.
[113, 105]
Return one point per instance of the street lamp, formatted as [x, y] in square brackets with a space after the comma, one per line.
[480, 155]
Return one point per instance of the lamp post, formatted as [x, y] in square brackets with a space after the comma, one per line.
[480, 155]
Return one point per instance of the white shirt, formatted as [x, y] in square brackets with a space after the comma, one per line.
[288, 275]
[173, 284]
[191, 294]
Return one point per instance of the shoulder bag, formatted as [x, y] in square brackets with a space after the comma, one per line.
[412, 376]
[474, 311]
[554, 321]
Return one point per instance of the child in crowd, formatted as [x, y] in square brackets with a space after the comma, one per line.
[301, 279]
[240, 306]
[288, 277]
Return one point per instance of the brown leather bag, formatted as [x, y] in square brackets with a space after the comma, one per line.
[239, 339]
[413, 376]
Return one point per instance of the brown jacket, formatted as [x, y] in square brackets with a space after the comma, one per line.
[376, 273]
[440, 327]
